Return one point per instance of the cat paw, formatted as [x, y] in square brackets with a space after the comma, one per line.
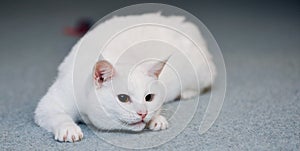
[158, 123]
[68, 132]
[187, 94]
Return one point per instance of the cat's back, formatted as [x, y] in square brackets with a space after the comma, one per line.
[189, 61]
[175, 31]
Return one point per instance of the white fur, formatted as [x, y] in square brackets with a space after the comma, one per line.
[58, 111]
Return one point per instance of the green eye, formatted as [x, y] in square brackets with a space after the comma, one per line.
[149, 97]
[123, 98]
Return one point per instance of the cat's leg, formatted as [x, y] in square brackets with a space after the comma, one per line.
[158, 122]
[189, 93]
[57, 116]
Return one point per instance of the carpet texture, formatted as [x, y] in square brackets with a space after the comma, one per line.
[260, 42]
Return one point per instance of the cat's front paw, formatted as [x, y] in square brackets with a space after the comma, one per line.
[68, 132]
[158, 123]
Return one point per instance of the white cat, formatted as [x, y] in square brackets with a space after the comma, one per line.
[131, 90]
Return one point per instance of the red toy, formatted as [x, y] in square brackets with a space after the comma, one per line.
[80, 29]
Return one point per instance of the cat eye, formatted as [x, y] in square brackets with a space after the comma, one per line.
[123, 98]
[149, 97]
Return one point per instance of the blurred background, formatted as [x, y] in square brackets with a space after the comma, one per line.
[259, 40]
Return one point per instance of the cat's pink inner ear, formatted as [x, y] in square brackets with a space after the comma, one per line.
[103, 71]
[156, 69]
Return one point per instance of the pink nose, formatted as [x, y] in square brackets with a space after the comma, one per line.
[142, 114]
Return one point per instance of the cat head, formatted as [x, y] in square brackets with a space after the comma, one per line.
[130, 95]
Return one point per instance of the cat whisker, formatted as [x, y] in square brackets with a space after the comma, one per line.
[123, 125]
[165, 111]
[108, 130]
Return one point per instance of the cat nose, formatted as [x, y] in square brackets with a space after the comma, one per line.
[142, 114]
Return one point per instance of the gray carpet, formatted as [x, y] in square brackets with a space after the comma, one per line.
[260, 43]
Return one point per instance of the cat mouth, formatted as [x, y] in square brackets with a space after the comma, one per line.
[135, 126]
[135, 123]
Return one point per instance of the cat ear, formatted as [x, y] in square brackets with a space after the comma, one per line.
[103, 71]
[156, 68]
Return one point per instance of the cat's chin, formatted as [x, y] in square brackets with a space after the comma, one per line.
[138, 126]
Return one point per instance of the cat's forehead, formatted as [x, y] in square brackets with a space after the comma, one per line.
[130, 82]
